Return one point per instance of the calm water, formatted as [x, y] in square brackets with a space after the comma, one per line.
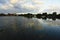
[21, 28]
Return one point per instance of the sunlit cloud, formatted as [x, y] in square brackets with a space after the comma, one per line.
[28, 6]
[34, 6]
[38, 2]
[13, 1]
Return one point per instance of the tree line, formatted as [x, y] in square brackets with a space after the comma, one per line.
[54, 15]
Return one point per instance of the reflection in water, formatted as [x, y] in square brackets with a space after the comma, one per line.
[21, 28]
[44, 18]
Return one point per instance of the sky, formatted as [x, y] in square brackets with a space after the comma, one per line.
[29, 6]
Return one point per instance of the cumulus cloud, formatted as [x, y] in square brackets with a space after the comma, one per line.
[14, 1]
[17, 6]
[3, 2]
[24, 5]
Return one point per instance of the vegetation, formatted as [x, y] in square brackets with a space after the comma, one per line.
[29, 15]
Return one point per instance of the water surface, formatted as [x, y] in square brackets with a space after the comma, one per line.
[21, 28]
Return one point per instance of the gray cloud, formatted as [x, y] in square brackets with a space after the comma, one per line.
[19, 7]
[2, 2]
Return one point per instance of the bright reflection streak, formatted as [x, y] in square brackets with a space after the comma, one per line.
[50, 22]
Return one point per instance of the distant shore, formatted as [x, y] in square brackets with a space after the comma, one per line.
[53, 16]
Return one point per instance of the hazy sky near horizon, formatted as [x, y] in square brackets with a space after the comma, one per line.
[25, 6]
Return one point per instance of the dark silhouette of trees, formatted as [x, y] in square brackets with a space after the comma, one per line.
[9, 14]
[54, 15]
[29, 15]
[44, 15]
[2, 14]
[39, 15]
[58, 16]
[49, 16]
[21, 15]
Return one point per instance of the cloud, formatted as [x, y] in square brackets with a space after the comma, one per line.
[15, 6]
[14, 1]
[24, 6]
[39, 2]
[7, 6]
[3, 2]
[28, 6]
